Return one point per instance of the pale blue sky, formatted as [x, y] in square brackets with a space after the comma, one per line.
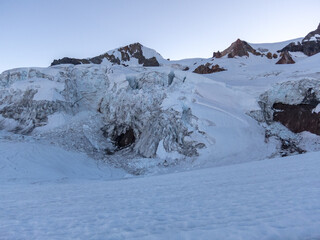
[34, 32]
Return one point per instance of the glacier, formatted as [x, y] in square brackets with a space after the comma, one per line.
[123, 150]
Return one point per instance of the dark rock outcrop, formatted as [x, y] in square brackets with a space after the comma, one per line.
[310, 45]
[217, 54]
[275, 55]
[95, 60]
[73, 61]
[285, 58]
[127, 52]
[269, 55]
[135, 51]
[312, 34]
[297, 118]
[150, 62]
[287, 109]
[208, 68]
[297, 115]
[238, 48]
[289, 147]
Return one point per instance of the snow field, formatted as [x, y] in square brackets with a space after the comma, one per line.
[270, 199]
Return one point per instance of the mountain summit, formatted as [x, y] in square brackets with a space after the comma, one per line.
[312, 36]
[238, 48]
[134, 54]
[310, 45]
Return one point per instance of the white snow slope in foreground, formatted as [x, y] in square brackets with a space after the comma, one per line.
[34, 163]
[270, 199]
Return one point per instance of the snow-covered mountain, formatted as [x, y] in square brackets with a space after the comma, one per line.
[130, 112]
[133, 54]
[154, 117]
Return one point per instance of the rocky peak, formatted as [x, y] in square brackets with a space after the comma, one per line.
[135, 50]
[117, 56]
[313, 36]
[238, 48]
[285, 58]
[310, 45]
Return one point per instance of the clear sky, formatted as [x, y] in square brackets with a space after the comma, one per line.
[34, 32]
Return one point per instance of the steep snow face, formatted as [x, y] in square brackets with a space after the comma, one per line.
[150, 53]
[273, 47]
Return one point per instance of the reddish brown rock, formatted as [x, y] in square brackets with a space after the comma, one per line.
[239, 48]
[208, 68]
[269, 55]
[135, 50]
[297, 118]
[285, 58]
[217, 54]
[275, 55]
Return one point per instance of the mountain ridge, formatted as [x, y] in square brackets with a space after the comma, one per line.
[167, 114]
[136, 52]
[119, 56]
[310, 44]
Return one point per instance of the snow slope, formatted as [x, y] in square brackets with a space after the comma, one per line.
[273, 47]
[270, 199]
[25, 160]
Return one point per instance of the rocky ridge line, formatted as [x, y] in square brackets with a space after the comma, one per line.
[310, 45]
[127, 52]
